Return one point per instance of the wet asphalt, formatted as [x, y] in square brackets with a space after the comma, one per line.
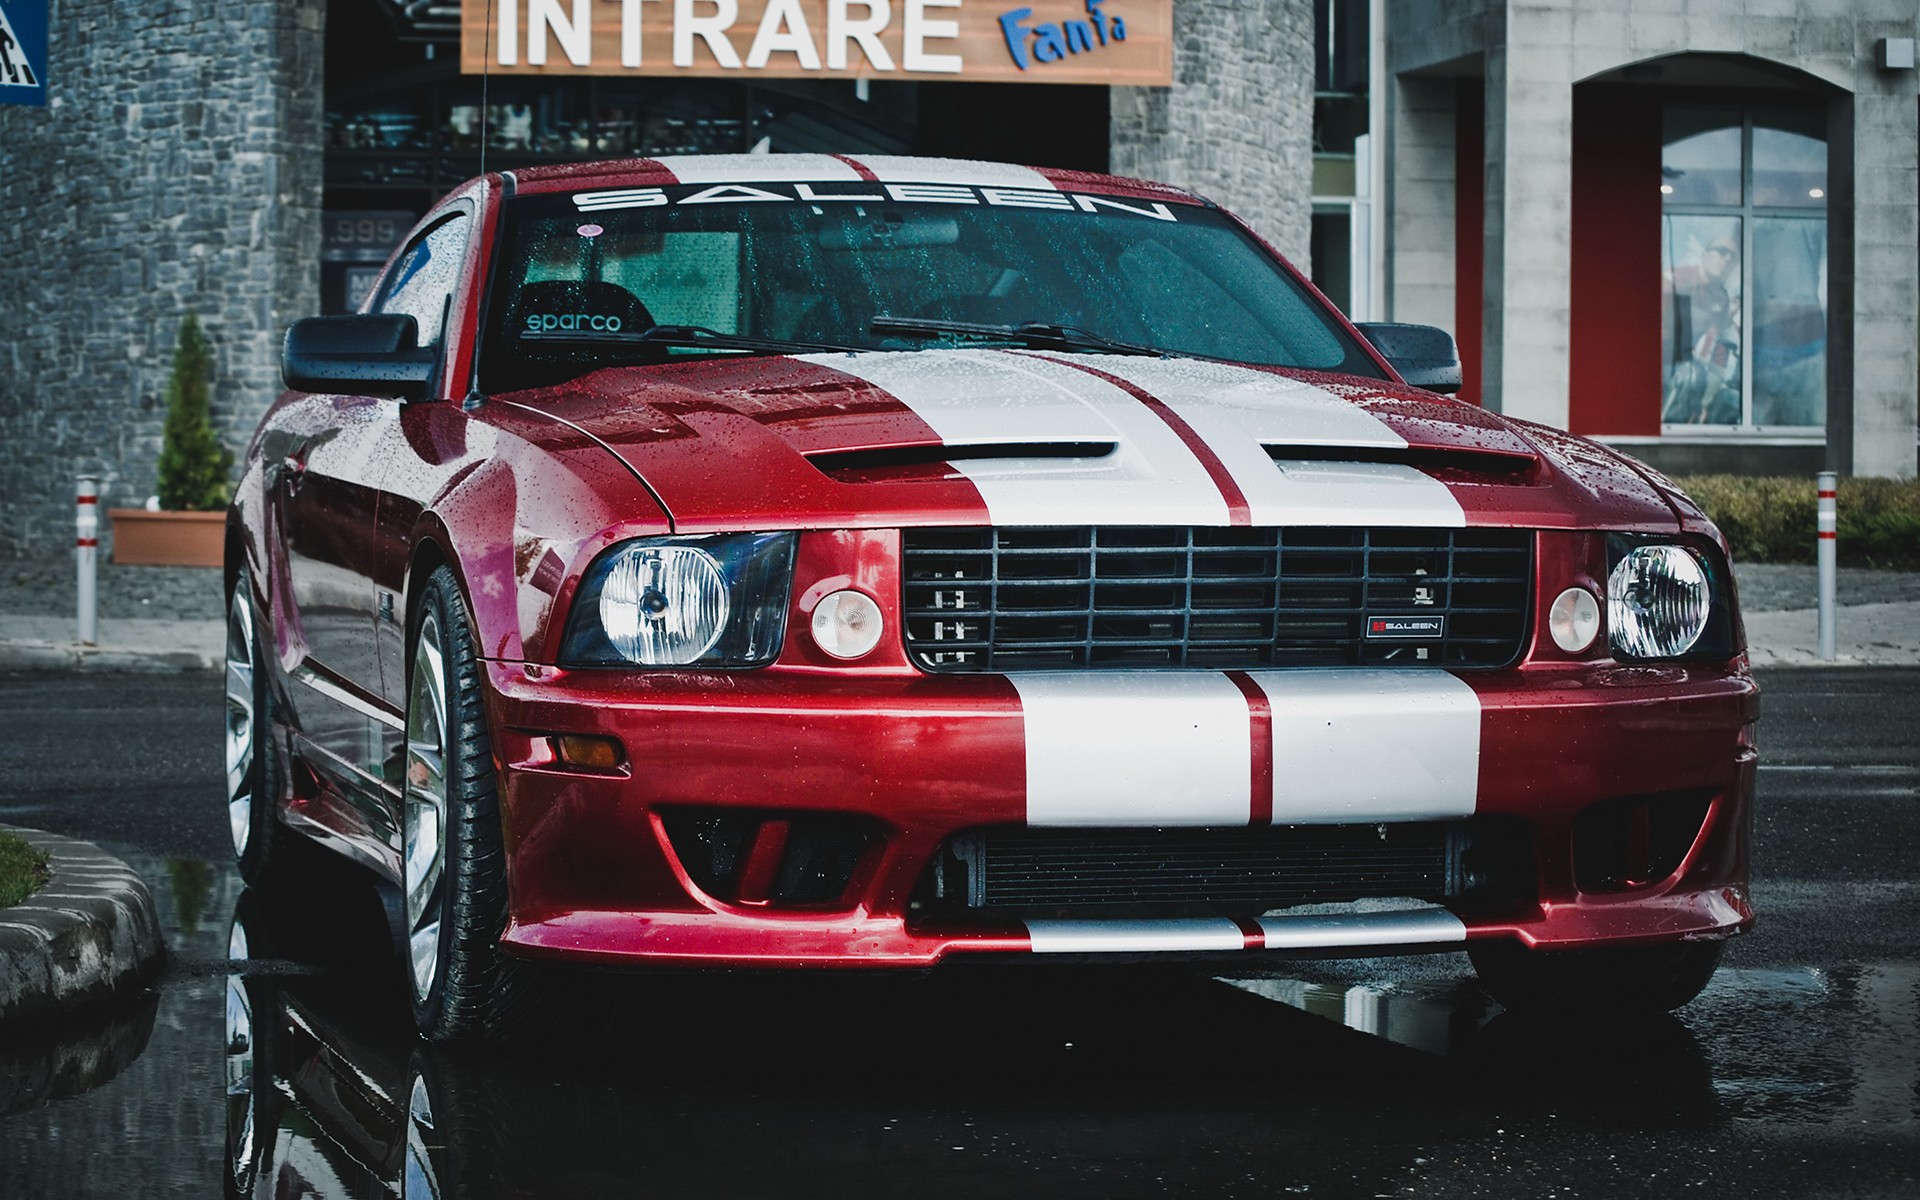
[1796, 1074]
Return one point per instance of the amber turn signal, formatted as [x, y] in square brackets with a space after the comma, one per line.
[586, 750]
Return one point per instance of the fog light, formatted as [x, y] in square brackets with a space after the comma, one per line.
[847, 624]
[1574, 619]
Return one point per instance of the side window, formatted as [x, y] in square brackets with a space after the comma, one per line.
[423, 277]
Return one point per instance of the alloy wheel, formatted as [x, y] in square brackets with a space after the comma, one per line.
[241, 716]
[427, 804]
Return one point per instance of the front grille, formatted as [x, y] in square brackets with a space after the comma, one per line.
[1241, 871]
[1219, 598]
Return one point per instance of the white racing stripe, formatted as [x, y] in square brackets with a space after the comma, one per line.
[1354, 745]
[758, 168]
[1426, 925]
[1431, 925]
[982, 397]
[1136, 748]
[1138, 937]
[893, 168]
[1238, 412]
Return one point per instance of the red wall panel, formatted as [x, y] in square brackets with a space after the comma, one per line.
[1469, 235]
[1615, 350]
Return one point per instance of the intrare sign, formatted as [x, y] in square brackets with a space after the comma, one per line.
[1000, 41]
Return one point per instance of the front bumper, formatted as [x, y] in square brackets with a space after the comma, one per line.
[594, 875]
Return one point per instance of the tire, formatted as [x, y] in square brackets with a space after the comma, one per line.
[1622, 981]
[464, 986]
[263, 847]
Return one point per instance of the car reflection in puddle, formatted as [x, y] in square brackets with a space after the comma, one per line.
[970, 1081]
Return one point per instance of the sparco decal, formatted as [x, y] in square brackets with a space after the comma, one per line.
[572, 322]
[873, 193]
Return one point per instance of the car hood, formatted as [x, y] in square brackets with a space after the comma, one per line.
[1031, 438]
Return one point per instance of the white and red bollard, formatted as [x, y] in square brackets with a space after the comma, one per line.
[86, 543]
[1829, 560]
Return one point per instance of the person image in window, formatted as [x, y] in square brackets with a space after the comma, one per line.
[1703, 383]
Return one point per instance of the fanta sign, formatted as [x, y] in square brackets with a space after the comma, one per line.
[1046, 42]
[1112, 42]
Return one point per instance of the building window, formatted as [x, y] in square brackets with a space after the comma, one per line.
[1743, 258]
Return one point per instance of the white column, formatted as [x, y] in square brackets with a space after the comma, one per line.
[1422, 253]
[1886, 282]
[1529, 244]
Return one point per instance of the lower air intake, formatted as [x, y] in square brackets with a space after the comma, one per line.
[1031, 873]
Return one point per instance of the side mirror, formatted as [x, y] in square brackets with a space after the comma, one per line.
[376, 353]
[1424, 355]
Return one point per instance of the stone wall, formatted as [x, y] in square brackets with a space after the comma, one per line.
[1237, 126]
[175, 169]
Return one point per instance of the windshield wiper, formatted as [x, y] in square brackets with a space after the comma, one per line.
[1034, 335]
[697, 337]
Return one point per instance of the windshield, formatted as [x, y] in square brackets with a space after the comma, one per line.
[642, 275]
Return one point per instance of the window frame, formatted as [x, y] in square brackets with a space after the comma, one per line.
[1747, 212]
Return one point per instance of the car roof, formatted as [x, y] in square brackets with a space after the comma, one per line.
[719, 169]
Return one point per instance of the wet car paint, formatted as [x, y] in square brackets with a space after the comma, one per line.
[519, 492]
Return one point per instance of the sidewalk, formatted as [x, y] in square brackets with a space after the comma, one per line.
[169, 619]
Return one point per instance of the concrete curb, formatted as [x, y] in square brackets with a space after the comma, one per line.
[46, 656]
[90, 935]
[42, 643]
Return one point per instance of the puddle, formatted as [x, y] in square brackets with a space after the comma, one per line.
[1833, 1046]
[44, 1064]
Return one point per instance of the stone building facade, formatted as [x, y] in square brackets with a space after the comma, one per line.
[174, 170]
[180, 166]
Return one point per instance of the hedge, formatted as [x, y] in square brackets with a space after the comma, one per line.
[1771, 519]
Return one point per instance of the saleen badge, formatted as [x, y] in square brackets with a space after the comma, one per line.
[1415, 628]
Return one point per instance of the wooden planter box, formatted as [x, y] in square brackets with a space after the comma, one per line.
[168, 539]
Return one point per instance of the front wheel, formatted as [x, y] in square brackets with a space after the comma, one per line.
[455, 869]
[1624, 980]
[261, 844]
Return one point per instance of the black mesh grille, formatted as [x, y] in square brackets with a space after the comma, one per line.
[1239, 871]
[1144, 597]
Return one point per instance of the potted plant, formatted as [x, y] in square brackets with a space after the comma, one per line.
[186, 527]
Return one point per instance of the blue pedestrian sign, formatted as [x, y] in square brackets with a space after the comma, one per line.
[23, 52]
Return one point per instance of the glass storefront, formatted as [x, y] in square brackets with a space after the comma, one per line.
[1743, 258]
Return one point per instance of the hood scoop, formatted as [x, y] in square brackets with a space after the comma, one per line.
[880, 464]
[1472, 460]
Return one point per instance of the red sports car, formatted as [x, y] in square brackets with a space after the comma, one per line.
[827, 561]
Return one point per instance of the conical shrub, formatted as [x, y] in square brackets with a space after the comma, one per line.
[193, 462]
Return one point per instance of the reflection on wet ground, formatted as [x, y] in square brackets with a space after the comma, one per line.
[279, 1061]
[44, 1064]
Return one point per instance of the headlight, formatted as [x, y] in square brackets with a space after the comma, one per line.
[714, 601]
[1662, 600]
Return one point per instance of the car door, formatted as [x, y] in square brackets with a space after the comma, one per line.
[337, 465]
[325, 507]
[417, 450]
